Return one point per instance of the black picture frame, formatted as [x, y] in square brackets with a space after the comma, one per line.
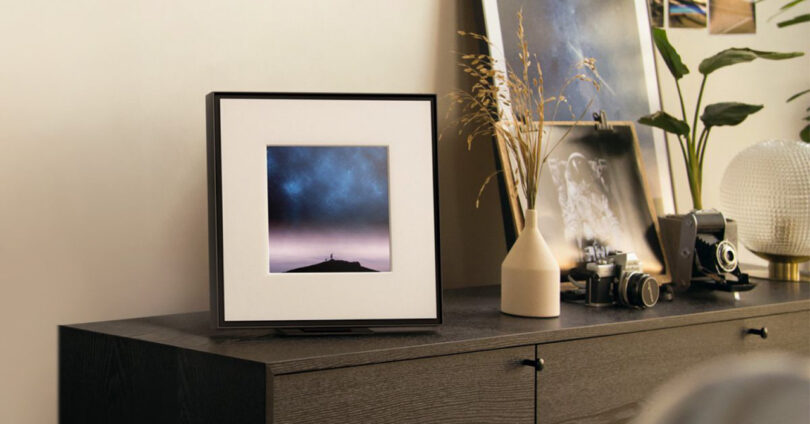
[405, 125]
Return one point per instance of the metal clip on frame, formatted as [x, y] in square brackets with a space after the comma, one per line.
[602, 123]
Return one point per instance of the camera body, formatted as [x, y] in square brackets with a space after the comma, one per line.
[617, 279]
[701, 248]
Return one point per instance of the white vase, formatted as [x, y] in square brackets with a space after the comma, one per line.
[530, 275]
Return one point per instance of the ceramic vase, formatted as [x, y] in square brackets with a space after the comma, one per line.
[530, 275]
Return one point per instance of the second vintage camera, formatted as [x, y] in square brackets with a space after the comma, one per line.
[701, 250]
[617, 279]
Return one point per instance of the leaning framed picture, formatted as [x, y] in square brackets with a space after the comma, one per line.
[593, 199]
[323, 210]
[616, 33]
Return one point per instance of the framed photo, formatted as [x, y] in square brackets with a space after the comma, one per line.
[614, 32]
[593, 197]
[323, 210]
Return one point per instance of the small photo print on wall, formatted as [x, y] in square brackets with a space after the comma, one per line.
[656, 8]
[732, 17]
[328, 209]
[687, 13]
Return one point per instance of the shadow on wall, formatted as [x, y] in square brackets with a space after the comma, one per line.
[472, 239]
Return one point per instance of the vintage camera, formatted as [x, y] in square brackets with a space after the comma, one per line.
[701, 249]
[616, 280]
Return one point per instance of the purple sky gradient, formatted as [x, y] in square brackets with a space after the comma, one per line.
[294, 249]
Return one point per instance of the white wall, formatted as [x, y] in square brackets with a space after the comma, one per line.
[760, 82]
[102, 145]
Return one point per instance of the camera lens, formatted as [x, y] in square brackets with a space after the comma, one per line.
[640, 290]
[726, 256]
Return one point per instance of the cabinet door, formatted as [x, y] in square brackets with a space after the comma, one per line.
[604, 379]
[482, 387]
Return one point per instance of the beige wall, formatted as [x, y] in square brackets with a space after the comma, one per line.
[102, 170]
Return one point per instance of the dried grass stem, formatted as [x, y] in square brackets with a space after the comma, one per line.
[512, 106]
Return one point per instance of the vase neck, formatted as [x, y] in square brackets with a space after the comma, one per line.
[530, 219]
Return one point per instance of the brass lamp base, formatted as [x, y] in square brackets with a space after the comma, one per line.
[783, 267]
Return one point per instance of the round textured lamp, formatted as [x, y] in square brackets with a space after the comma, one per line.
[766, 188]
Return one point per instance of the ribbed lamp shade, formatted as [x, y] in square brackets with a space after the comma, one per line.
[766, 188]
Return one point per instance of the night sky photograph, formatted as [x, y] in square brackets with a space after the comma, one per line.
[561, 33]
[328, 209]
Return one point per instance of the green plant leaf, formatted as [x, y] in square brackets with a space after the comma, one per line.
[796, 20]
[727, 113]
[666, 122]
[785, 7]
[790, 4]
[805, 134]
[670, 55]
[797, 95]
[736, 55]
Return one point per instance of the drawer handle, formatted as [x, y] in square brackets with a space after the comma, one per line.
[538, 363]
[762, 332]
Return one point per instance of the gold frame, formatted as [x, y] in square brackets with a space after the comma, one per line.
[513, 198]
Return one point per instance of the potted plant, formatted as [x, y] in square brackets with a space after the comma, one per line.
[512, 106]
[693, 143]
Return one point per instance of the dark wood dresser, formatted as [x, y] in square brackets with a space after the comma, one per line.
[592, 365]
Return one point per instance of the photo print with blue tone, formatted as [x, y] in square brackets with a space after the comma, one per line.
[328, 209]
[687, 13]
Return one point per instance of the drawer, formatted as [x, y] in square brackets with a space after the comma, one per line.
[484, 387]
[786, 333]
[604, 379]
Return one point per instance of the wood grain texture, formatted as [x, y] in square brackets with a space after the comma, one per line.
[485, 387]
[599, 363]
[606, 379]
[106, 379]
[473, 322]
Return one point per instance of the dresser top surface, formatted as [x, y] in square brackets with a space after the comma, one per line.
[472, 322]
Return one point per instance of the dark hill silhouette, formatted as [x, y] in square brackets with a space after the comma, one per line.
[334, 265]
